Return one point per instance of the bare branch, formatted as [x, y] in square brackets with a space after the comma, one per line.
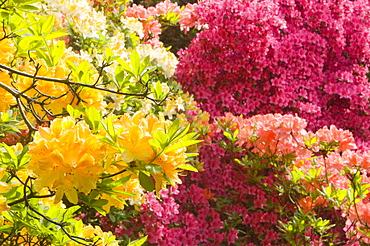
[61, 225]
[28, 123]
[69, 82]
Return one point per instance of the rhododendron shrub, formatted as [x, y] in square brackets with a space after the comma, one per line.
[91, 118]
[303, 57]
[266, 181]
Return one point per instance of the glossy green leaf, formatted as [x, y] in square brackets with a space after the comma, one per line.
[188, 167]
[139, 242]
[47, 25]
[146, 182]
[181, 144]
[153, 168]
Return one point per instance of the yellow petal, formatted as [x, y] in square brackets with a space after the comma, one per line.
[72, 196]
[4, 187]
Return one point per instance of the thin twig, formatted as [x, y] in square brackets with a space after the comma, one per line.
[69, 82]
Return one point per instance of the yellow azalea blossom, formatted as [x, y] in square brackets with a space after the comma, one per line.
[99, 237]
[4, 187]
[45, 87]
[49, 201]
[24, 238]
[131, 186]
[5, 97]
[3, 207]
[60, 93]
[137, 131]
[66, 158]
[7, 47]
[169, 163]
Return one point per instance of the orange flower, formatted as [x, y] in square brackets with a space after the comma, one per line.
[67, 158]
[306, 204]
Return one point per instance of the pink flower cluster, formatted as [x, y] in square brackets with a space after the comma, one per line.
[167, 222]
[221, 207]
[305, 57]
[152, 26]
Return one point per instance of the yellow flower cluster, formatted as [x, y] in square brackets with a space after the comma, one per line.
[7, 47]
[59, 94]
[135, 140]
[67, 158]
[99, 237]
[6, 98]
[131, 186]
[7, 50]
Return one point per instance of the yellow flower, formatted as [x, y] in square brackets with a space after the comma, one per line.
[7, 47]
[45, 87]
[100, 238]
[67, 158]
[169, 163]
[131, 186]
[3, 206]
[4, 187]
[135, 138]
[5, 97]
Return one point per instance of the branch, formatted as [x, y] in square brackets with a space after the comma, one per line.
[69, 82]
[61, 225]
[32, 195]
[28, 123]
[112, 175]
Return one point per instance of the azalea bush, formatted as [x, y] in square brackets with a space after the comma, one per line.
[99, 144]
[301, 57]
[91, 117]
[266, 181]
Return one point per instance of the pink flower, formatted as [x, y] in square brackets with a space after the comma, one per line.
[167, 6]
[188, 17]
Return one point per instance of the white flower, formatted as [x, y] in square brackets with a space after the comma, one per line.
[134, 25]
[162, 58]
[80, 14]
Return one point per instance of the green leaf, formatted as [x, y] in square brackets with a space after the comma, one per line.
[188, 167]
[135, 63]
[153, 168]
[146, 182]
[55, 35]
[119, 76]
[161, 137]
[29, 43]
[75, 113]
[123, 193]
[126, 67]
[44, 56]
[120, 182]
[47, 26]
[28, 7]
[155, 144]
[139, 242]
[8, 229]
[181, 133]
[158, 90]
[181, 144]
[58, 52]
[99, 203]
[11, 153]
[93, 194]
[100, 211]
[93, 118]
[175, 127]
